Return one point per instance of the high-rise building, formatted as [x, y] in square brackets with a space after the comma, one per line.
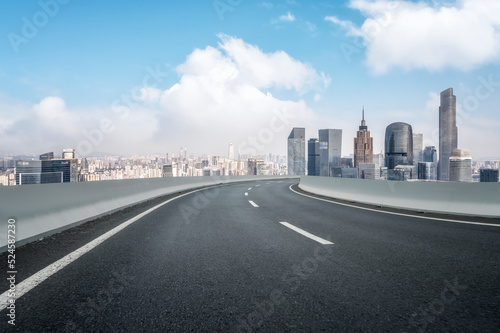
[367, 171]
[448, 133]
[84, 165]
[363, 144]
[330, 151]
[167, 171]
[418, 153]
[230, 151]
[68, 154]
[398, 145]
[68, 167]
[313, 157]
[427, 170]
[430, 154]
[38, 172]
[488, 175]
[349, 172]
[346, 162]
[47, 156]
[255, 167]
[460, 163]
[297, 151]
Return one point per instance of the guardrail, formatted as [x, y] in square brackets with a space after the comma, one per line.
[44, 209]
[474, 199]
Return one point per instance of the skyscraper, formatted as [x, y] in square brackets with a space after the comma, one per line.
[418, 152]
[363, 144]
[488, 175]
[231, 151]
[313, 157]
[430, 154]
[68, 153]
[47, 156]
[297, 151]
[448, 137]
[398, 145]
[330, 151]
[460, 163]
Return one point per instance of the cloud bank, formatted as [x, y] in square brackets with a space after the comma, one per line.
[223, 94]
[419, 35]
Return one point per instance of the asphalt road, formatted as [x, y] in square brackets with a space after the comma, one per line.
[212, 261]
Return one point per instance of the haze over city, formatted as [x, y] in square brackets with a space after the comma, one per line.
[157, 77]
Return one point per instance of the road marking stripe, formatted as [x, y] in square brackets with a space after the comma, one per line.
[246, 194]
[393, 213]
[27, 284]
[307, 234]
[249, 188]
[253, 203]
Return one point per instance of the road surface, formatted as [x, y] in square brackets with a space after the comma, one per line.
[258, 257]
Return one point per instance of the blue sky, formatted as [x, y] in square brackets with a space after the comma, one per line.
[226, 70]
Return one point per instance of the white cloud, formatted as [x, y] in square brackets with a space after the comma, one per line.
[288, 17]
[348, 25]
[223, 94]
[409, 35]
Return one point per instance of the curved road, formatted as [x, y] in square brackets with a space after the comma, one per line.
[221, 260]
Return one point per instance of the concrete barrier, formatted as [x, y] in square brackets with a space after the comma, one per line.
[475, 199]
[44, 209]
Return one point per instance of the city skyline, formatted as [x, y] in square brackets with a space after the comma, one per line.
[303, 64]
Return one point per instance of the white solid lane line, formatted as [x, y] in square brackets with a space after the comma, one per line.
[27, 284]
[394, 213]
[253, 203]
[246, 194]
[249, 188]
[305, 233]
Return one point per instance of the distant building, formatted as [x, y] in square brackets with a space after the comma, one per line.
[336, 172]
[313, 157]
[84, 165]
[460, 163]
[255, 166]
[330, 151]
[69, 168]
[427, 171]
[398, 145]
[430, 154]
[297, 151]
[230, 151]
[349, 172]
[488, 175]
[167, 171]
[383, 173]
[45, 172]
[363, 144]
[402, 172]
[418, 152]
[346, 162]
[367, 171]
[379, 160]
[68, 154]
[448, 133]
[47, 156]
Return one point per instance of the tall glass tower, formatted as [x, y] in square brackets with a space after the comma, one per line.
[398, 145]
[297, 151]
[313, 157]
[448, 137]
[330, 151]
